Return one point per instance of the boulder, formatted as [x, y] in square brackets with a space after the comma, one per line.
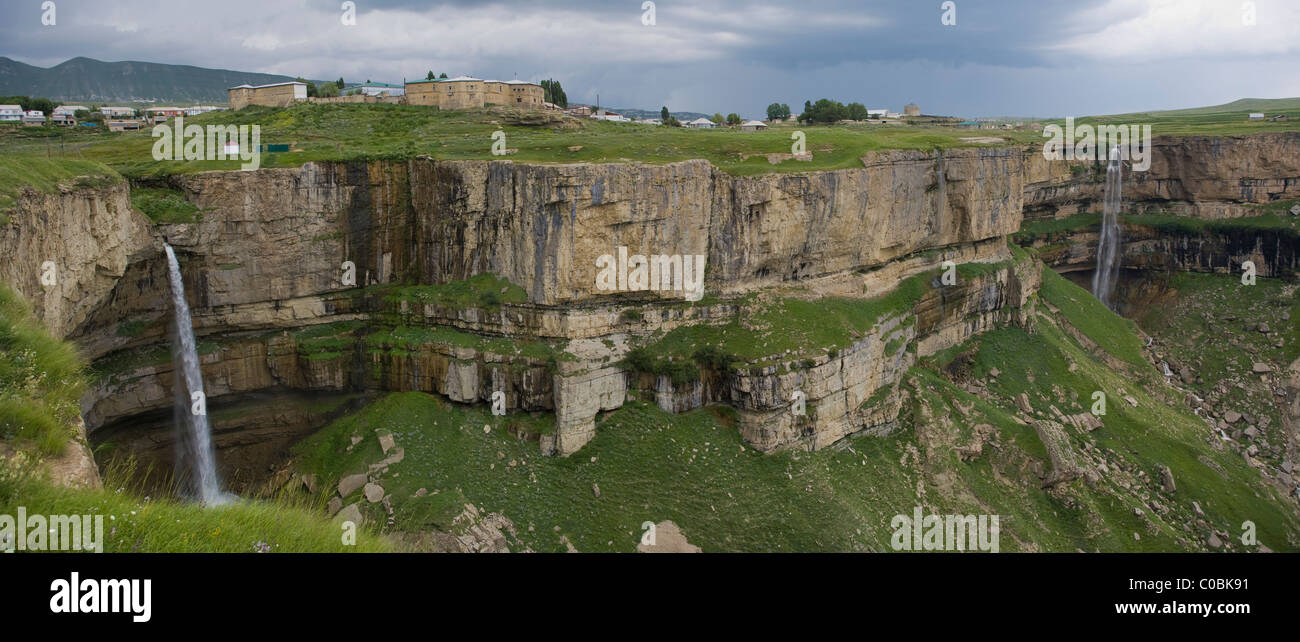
[351, 483]
[350, 513]
[374, 493]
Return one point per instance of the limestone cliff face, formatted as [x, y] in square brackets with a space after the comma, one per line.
[270, 251]
[1200, 176]
[783, 227]
[89, 235]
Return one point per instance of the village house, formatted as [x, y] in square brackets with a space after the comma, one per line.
[123, 125]
[117, 112]
[280, 94]
[70, 110]
[753, 126]
[34, 118]
[11, 113]
[701, 123]
[157, 115]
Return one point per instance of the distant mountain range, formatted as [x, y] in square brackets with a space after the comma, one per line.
[89, 80]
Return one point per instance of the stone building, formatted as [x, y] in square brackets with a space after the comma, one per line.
[281, 94]
[464, 92]
[912, 110]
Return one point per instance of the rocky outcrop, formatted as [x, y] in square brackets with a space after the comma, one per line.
[1275, 252]
[1208, 177]
[81, 239]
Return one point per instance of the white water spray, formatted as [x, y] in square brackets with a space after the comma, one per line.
[197, 455]
[1107, 272]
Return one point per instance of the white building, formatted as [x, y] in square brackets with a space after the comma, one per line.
[701, 123]
[1256, 116]
[11, 113]
[753, 126]
[34, 117]
[117, 112]
[877, 113]
[200, 109]
[69, 110]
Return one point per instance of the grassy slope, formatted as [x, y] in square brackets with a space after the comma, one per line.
[45, 175]
[41, 379]
[133, 524]
[1202, 325]
[695, 470]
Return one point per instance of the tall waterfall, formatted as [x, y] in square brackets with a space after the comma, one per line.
[197, 459]
[1107, 272]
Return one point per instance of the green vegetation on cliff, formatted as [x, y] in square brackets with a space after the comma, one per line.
[41, 379]
[694, 469]
[164, 205]
[1273, 217]
[46, 175]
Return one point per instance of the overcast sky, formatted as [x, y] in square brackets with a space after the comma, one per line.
[1001, 58]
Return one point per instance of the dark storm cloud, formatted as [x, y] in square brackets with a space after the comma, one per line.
[1048, 57]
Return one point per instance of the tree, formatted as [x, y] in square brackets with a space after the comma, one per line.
[339, 82]
[856, 111]
[328, 90]
[442, 75]
[718, 119]
[553, 93]
[824, 110]
[430, 76]
[663, 114]
[778, 111]
[734, 119]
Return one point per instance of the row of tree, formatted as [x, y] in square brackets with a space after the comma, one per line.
[28, 103]
[826, 110]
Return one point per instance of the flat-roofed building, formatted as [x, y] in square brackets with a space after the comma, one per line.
[465, 92]
[11, 113]
[280, 94]
[117, 112]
